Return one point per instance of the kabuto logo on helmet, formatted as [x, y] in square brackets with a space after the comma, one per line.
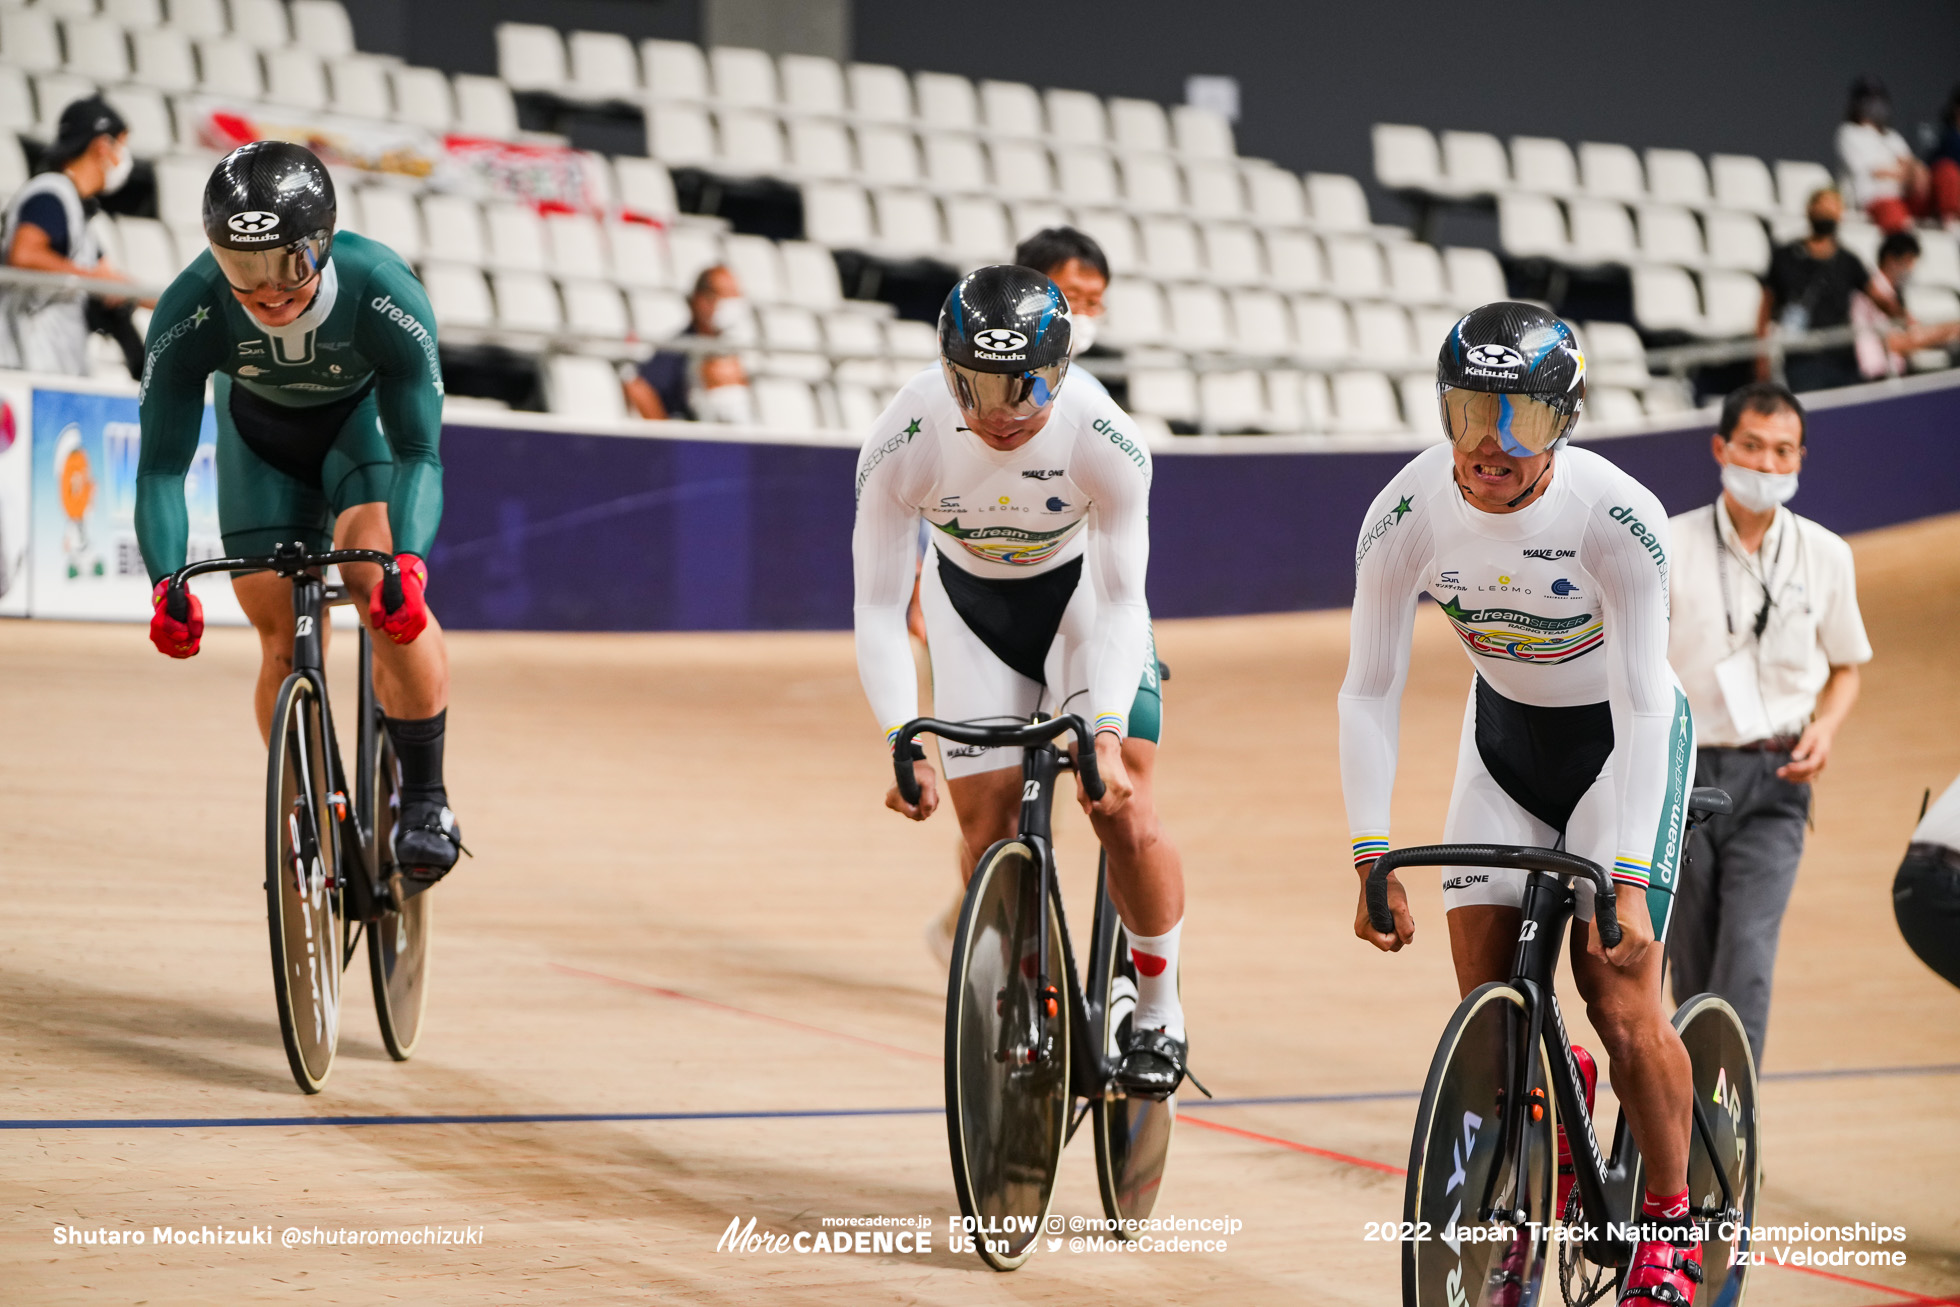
[1001, 340]
[252, 222]
[1494, 356]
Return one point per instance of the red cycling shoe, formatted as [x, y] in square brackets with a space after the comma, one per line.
[1663, 1272]
[1589, 1074]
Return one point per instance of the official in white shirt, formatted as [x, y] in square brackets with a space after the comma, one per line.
[1766, 637]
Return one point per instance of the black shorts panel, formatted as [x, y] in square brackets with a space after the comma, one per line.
[1544, 758]
[293, 440]
[1015, 619]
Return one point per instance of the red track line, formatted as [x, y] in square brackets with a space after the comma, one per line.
[1275, 1140]
[742, 1011]
[1906, 1294]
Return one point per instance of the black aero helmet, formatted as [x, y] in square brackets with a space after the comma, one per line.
[269, 215]
[1003, 342]
[1512, 371]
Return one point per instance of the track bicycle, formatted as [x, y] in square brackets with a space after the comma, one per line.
[330, 870]
[1477, 1210]
[1031, 1051]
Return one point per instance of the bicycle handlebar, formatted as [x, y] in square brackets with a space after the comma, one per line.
[997, 737]
[286, 560]
[1554, 861]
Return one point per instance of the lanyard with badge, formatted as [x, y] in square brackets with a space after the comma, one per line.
[1739, 675]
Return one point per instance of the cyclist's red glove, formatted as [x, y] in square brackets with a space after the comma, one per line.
[403, 622]
[176, 636]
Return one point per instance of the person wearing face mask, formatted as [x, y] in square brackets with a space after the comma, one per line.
[46, 230]
[1767, 640]
[1076, 264]
[1884, 346]
[691, 386]
[1808, 287]
[1887, 180]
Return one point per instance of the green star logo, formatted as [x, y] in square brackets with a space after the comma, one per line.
[197, 318]
[1403, 508]
[913, 430]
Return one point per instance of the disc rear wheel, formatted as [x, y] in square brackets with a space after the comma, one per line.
[1452, 1256]
[398, 939]
[1007, 1055]
[1725, 1092]
[303, 890]
[1133, 1135]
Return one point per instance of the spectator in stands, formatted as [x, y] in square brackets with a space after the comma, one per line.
[1887, 180]
[1884, 346]
[1076, 264]
[1808, 288]
[46, 230]
[689, 384]
[1944, 163]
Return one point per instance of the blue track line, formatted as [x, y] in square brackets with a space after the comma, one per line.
[559, 1118]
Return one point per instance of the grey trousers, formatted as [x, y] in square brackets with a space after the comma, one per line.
[1735, 882]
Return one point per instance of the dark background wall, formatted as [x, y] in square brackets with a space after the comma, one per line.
[1759, 78]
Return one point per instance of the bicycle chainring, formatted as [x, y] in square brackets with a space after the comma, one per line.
[1582, 1282]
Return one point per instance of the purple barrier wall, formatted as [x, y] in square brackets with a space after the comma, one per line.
[548, 531]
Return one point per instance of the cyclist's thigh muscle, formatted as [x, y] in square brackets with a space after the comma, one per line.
[969, 680]
[1482, 813]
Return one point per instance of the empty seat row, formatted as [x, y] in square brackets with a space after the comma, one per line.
[606, 65]
[587, 388]
[1477, 163]
[320, 25]
[1322, 333]
[1715, 304]
[1587, 231]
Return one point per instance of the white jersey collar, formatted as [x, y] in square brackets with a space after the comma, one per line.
[294, 333]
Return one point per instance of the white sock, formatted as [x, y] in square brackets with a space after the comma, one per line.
[1155, 958]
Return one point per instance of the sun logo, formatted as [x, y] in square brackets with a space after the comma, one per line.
[1003, 501]
[1503, 580]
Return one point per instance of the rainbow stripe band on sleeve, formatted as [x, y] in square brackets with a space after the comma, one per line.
[1369, 847]
[1110, 721]
[1633, 871]
[891, 735]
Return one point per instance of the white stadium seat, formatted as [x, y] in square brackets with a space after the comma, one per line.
[1232, 402]
[516, 237]
[164, 60]
[1543, 166]
[323, 27]
[261, 23]
[1233, 256]
[879, 93]
[1168, 393]
[636, 255]
[1611, 172]
[1364, 403]
[954, 164]
[1138, 125]
[1531, 226]
[1602, 232]
[837, 214]
[1116, 232]
[1214, 188]
[1032, 215]
[1337, 202]
[149, 253]
[1170, 249]
[181, 180]
[360, 86]
[530, 57]
[819, 147]
[1932, 304]
[1797, 181]
[946, 101]
[909, 222]
[453, 227]
[977, 231]
[758, 268]
[584, 388]
[1475, 276]
[596, 308]
[1076, 118]
[1276, 196]
[1738, 241]
[888, 155]
[657, 314]
[1198, 318]
[1432, 327]
[1134, 313]
[574, 246]
[603, 66]
[1261, 323]
[16, 100]
[1150, 182]
[1669, 234]
[1677, 177]
[484, 107]
[645, 187]
[390, 215]
[1614, 354]
[1021, 170]
[674, 70]
[1939, 260]
[526, 301]
[1323, 330]
[1415, 273]
[135, 15]
[295, 77]
[97, 50]
[199, 18]
[148, 116]
[1355, 268]
[751, 140]
[680, 134]
[811, 84]
[1295, 261]
[1742, 182]
[1612, 406]
[13, 164]
[1730, 303]
[743, 76]
[1383, 338]
[459, 295]
[1201, 133]
[1087, 174]
[423, 99]
[1011, 109]
[1406, 157]
[691, 251]
[1665, 299]
[785, 404]
[1474, 163]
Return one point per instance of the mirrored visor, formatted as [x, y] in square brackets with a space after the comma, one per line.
[287, 267]
[1000, 395]
[1522, 425]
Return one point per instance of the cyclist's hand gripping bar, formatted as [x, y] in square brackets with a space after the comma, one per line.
[1567, 866]
[996, 737]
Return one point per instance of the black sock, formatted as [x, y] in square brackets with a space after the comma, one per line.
[418, 747]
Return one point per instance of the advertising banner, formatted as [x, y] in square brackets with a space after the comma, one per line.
[84, 562]
[15, 438]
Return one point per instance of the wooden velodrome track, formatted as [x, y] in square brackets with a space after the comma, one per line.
[687, 900]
